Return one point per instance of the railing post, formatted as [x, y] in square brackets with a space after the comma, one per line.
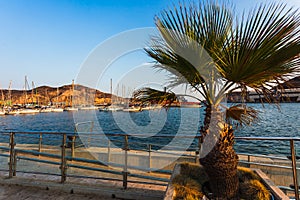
[15, 164]
[89, 134]
[125, 172]
[63, 165]
[11, 154]
[73, 146]
[40, 142]
[196, 156]
[197, 152]
[249, 160]
[294, 167]
[108, 151]
[150, 159]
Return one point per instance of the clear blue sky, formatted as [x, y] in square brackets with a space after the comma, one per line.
[48, 40]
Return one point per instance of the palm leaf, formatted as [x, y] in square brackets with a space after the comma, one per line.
[188, 36]
[264, 47]
[241, 115]
[146, 96]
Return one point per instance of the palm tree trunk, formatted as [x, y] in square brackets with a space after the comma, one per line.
[221, 162]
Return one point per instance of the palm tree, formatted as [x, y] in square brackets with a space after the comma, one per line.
[205, 46]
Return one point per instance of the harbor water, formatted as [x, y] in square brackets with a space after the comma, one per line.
[283, 121]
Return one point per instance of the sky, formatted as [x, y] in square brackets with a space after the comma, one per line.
[49, 41]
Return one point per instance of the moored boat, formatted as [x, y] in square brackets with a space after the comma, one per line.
[70, 109]
[46, 109]
[57, 109]
[89, 108]
[12, 112]
[28, 111]
[132, 109]
[111, 109]
[2, 112]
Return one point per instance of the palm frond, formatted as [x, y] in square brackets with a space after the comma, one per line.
[241, 115]
[148, 95]
[264, 47]
[188, 37]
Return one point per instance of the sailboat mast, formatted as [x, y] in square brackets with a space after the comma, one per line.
[57, 92]
[9, 93]
[25, 91]
[32, 93]
[72, 94]
[2, 96]
[111, 91]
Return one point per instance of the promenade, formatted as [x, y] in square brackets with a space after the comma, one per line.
[35, 186]
[13, 192]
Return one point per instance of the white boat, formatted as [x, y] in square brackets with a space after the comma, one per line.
[28, 111]
[111, 109]
[2, 112]
[57, 109]
[89, 108]
[132, 109]
[70, 109]
[153, 107]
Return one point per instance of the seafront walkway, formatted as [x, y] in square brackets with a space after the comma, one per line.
[38, 187]
[108, 172]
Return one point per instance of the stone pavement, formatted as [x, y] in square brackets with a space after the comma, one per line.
[17, 192]
[40, 187]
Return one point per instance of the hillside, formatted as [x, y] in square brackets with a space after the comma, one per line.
[64, 95]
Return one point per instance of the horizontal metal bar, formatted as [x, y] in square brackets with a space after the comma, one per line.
[149, 177]
[286, 188]
[264, 156]
[38, 160]
[267, 165]
[95, 169]
[114, 179]
[35, 172]
[86, 160]
[4, 148]
[133, 134]
[36, 153]
[146, 182]
[138, 168]
[269, 138]
[93, 177]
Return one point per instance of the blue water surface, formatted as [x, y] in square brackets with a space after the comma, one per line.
[273, 122]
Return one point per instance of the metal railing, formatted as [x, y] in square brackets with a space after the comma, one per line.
[123, 170]
[291, 141]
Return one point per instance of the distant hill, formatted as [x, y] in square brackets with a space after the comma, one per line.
[64, 95]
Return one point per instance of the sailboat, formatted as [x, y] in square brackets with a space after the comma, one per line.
[71, 106]
[28, 109]
[9, 109]
[2, 111]
[57, 109]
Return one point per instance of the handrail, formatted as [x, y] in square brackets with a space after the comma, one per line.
[269, 138]
[64, 159]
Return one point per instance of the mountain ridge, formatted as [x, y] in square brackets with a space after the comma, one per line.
[63, 95]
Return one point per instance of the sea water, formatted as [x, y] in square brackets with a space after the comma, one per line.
[273, 121]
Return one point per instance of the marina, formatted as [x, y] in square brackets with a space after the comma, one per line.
[273, 122]
[204, 105]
